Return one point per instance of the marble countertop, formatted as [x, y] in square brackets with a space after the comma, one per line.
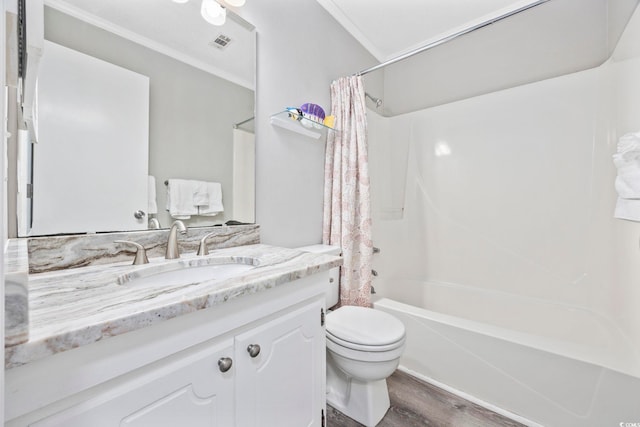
[75, 307]
[16, 306]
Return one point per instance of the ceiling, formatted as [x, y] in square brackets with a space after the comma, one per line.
[388, 29]
[549, 40]
[177, 30]
[558, 37]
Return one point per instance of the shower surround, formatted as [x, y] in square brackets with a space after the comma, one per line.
[495, 214]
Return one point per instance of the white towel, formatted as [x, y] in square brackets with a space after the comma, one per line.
[627, 161]
[180, 198]
[151, 195]
[200, 194]
[214, 207]
[629, 142]
[628, 179]
[628, 209]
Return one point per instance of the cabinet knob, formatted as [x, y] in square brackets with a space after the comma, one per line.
[224, 363]
[139, 214]
[254, 350]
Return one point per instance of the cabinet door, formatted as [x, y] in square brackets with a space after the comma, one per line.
[189, 391]
[283, 385]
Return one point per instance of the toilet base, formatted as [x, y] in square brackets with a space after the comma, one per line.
[365, 402]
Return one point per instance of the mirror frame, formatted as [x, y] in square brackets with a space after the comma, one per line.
[13, 156]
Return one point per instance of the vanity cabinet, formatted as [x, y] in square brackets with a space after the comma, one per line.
[189, 390]
[280, 371]
[276, 376]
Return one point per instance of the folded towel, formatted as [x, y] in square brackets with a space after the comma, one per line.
[214, 207]
[629, 142]
[201, 195]
[628, 209]
[628, 179]
[180, 198]
[627, 184]
[151, 195]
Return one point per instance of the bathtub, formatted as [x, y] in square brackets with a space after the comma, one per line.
[537, 362]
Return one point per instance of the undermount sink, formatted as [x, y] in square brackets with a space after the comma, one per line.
[186, 272]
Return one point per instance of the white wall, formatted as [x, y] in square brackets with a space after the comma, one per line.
[301, 49]
[513, 192]
[625, 93]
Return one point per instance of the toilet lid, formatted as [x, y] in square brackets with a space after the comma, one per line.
[364, 326]
[341, 344]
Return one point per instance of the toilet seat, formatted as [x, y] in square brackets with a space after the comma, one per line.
[365, 355]
[365, 347]
[364, 329]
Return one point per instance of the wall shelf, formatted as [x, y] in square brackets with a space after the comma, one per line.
[285, 120]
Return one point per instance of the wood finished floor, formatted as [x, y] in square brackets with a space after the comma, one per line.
[415, 403]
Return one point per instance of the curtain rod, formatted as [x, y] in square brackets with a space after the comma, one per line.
[452, 37]
[235, 126]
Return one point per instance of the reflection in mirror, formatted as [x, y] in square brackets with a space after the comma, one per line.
[200, 110]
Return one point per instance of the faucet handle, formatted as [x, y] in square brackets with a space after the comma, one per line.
[141, 253]
[153, 224]
[202, 249]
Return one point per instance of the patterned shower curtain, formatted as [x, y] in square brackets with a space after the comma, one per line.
[347, 207]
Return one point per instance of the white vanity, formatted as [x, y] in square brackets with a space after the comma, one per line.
[246, 350]
[93, 348]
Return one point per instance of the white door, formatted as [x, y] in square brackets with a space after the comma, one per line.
[282, 385]
[190, 391]
[91, 160]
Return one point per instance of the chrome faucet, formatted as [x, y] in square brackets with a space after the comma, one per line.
[173, 251]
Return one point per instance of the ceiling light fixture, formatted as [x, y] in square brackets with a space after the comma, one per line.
[235, 3]
[213, 12]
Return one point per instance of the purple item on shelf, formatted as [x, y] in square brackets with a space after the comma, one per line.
[313, 112]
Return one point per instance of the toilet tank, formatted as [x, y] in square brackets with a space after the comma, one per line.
[333, 288]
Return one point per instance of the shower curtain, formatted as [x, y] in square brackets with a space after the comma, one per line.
[347, 207]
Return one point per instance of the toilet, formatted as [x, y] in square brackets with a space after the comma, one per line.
[363, 348]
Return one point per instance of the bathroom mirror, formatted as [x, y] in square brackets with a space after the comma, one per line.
[201, 104]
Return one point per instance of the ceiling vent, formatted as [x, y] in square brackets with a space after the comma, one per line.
[221, 41]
